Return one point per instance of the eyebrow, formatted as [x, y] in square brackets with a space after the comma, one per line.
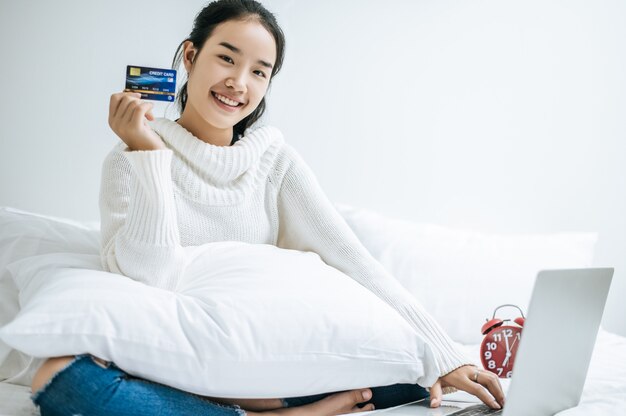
[238, 51]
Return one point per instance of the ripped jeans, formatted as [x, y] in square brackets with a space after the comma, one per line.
[86, 388]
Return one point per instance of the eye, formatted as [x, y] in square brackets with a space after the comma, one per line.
[261, 73]
[226, 58]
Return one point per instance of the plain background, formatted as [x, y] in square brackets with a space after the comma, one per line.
[499, 116]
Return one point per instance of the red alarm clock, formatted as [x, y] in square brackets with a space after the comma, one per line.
[498, 349]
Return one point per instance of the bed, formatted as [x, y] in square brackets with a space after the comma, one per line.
[604, 392]
[424, 257]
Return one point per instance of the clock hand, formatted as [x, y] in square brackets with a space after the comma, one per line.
[514, 341]
[506, 340]
[508, 349]
[508, 353]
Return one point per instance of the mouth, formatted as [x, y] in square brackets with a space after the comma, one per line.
[225, 102]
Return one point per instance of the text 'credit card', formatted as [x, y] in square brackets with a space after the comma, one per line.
[153, 83]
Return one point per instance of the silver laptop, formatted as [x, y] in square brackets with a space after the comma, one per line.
[553, 357]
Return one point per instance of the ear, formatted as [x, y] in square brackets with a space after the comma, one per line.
[189, 55]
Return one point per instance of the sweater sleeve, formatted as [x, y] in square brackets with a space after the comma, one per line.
[309, 222]
[140, 237]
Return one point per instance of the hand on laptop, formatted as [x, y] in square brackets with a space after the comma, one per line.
[483, 384]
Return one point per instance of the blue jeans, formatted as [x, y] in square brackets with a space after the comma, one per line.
[86, 388]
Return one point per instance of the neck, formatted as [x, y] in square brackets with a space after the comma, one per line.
[194, 124]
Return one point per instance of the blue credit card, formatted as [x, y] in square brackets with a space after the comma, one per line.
[153, 83]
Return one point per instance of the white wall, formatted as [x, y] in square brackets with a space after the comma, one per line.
[488, 114]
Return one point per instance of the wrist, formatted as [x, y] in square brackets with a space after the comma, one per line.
[147, 147]
[460, 366]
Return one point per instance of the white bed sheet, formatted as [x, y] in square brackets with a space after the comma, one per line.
[15, 401]
[604, 392]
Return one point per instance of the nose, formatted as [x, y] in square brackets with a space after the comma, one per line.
[237, 82]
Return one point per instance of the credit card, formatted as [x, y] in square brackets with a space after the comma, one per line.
[153, 83]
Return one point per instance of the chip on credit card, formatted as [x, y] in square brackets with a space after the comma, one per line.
[153, 83]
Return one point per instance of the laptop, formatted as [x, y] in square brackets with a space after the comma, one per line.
[551, 365]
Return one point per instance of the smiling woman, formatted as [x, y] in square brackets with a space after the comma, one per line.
[210, 176]
[229, 74]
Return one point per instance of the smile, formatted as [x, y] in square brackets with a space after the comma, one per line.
[225, 100]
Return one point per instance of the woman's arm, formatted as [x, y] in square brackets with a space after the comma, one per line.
[309, 222]
[140, 237]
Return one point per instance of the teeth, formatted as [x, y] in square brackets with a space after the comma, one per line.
[226, 100]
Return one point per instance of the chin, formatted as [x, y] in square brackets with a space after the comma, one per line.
[219, 122]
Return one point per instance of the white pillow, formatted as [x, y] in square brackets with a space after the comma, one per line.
[24, 234]
[247, 320]
[461, 276]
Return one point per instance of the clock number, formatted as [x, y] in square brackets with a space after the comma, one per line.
[508, 333]
[492, 346]
[487, 355]
[499, 372]
[509, 374]
[491, 364]
[497, 337]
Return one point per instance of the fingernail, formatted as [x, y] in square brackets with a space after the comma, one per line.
[434, 402]
[367, 395]
[496, 405]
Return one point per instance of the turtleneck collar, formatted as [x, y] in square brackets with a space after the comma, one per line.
[204, 170]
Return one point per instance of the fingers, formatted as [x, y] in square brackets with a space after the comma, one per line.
[119, 102]
[127, 118]
[492, 383]
[479, 391]
[128, 111]
[127, 108]
[114, 102]
[435, 394]
[117, 108]
[134, 108]
[149, 114]
[464, 378]
[139, 113]
[125, 103]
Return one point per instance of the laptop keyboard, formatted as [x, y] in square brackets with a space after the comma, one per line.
[479, 409]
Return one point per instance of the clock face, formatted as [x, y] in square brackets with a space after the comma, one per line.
[498, 350]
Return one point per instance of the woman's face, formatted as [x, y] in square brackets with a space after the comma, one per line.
[234, 65]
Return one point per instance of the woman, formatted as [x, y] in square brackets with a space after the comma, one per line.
[209, 176]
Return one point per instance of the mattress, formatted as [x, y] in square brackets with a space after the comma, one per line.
[604, 392]
[15, 401]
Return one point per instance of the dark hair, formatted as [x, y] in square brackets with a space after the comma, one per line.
[221, 11]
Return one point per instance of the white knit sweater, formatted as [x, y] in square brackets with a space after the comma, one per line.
[259, 190]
